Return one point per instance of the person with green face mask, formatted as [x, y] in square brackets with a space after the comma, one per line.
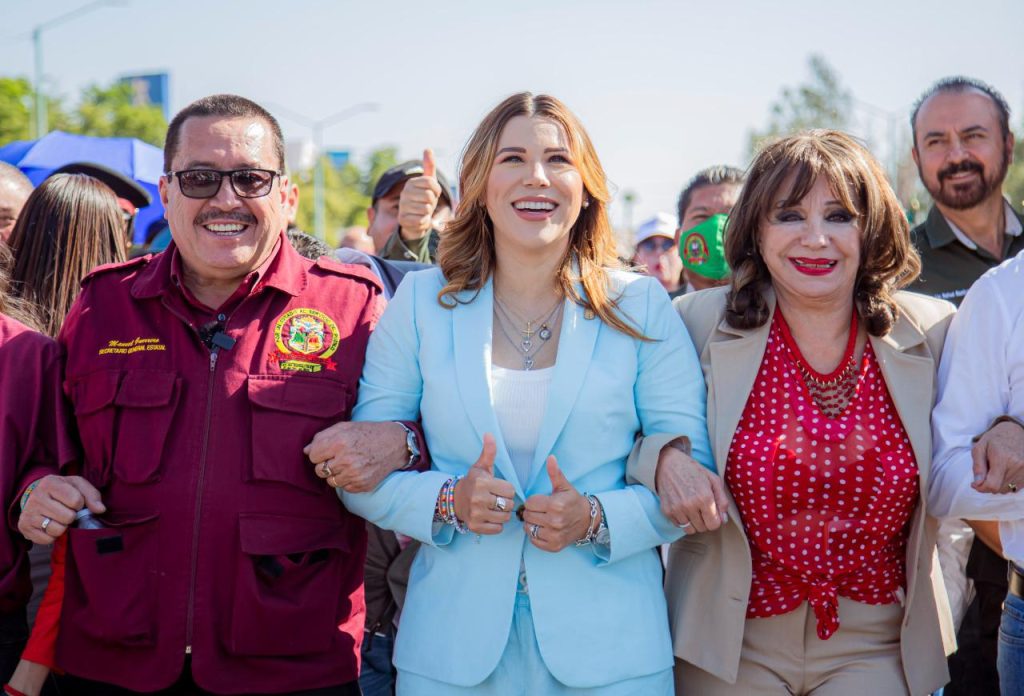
[702, 250]
[703, 206]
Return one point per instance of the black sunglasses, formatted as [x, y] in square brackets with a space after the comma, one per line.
[205, 183]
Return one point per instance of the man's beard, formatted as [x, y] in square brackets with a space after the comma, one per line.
[969, 194]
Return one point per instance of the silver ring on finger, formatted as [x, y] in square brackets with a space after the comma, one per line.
[534, 530]
[500, 504]
[684, 525]
[1012, 487]
[46, 523]
[325, 469]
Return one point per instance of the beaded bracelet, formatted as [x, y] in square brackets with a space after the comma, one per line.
[28, 492]
[444, 509]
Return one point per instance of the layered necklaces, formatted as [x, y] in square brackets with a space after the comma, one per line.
[527, 341]
[833, 392]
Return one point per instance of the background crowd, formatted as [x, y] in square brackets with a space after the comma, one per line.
[516, 484]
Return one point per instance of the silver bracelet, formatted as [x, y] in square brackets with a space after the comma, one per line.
[588, 538]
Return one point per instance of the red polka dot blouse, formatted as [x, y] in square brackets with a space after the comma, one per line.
[826, 502]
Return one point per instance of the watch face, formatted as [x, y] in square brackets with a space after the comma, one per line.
[602, 537]
[410, 442]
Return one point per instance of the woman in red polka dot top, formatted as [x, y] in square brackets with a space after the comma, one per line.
[821, 379]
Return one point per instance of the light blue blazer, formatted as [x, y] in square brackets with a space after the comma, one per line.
[600, 614]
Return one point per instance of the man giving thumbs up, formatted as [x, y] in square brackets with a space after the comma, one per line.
[411, 202]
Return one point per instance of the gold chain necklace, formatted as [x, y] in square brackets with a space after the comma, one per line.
[831, 393]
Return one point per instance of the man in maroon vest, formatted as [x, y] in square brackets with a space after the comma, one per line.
[225, 565]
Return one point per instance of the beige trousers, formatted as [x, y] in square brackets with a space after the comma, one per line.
[783, 655]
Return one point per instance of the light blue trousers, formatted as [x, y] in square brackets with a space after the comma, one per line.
[522, 672]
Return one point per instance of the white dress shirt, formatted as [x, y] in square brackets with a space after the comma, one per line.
[981, 376]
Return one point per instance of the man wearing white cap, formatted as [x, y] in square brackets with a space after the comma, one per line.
[656, 251]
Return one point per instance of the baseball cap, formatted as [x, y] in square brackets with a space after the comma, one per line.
[661, 225]
[406, 170]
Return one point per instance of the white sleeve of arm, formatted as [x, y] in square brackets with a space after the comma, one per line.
[974, 386]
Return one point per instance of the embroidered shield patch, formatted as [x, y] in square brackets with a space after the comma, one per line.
[305, 339]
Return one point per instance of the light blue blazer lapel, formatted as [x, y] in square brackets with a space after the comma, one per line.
[471, 338]
[575, 350]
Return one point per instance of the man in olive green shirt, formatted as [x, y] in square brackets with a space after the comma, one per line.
[962, 147]
[411, 202]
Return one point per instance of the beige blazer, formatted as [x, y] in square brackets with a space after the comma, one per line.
[709, 575]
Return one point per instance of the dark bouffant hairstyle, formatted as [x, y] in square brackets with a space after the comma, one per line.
[789, 168]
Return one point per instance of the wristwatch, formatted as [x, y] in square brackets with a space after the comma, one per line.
[412, 445]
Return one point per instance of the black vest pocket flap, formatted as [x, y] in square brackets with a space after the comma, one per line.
[146, 389]
[273, 535]
[295, 394]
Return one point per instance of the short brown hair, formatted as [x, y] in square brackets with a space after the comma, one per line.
[888, 260]
[466, 252]
[70, 224]
[224, 106]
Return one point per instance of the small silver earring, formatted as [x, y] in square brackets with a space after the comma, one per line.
[586, 203]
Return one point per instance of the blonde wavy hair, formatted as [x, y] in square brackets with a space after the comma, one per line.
[888, 260]
[466, 253]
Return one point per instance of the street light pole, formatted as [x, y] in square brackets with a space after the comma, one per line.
[318, 126]
[37, 50]
[319, 214]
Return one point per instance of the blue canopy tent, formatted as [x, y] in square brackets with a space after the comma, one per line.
[135, 159]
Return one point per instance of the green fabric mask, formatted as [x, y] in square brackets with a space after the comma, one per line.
[702, 248]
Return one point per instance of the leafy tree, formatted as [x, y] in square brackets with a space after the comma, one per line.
[16, 110]
[15, 115]
[102, 111]
[821, 103]
[109, 112]
[347, 193]
[1013, 186]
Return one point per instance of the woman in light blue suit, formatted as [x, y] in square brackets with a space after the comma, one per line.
[538, 573]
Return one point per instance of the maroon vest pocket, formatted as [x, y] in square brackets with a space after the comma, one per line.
[112, 585]
[287, 411]
[145, 401]
[288, 587]
[93, 398]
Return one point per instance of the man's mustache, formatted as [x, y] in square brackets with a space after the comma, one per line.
[233, 215]
[958, 167]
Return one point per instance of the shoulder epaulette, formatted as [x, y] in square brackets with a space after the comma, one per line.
[350, 270]
[124, 266]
